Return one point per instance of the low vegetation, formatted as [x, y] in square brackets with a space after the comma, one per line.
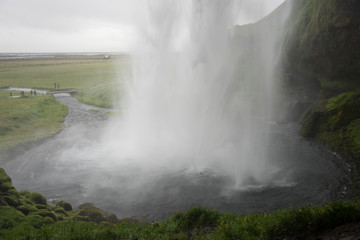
[29, 118]
[33, 118]
[107, 96]
[70, 72]
[25, 215]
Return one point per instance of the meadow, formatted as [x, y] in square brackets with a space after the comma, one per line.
[98, 80]
[29, 118]
[70, 72]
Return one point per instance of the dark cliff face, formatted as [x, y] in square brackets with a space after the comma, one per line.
[321, 50]
[321, 63]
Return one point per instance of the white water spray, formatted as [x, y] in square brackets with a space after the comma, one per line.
[196, 127]
[198, 101]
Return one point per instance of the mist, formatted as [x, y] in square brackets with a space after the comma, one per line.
[199, 123]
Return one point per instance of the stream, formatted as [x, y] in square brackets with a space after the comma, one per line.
[66, 167]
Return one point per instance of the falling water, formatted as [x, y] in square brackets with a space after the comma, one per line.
[198, 124]
[196, 102]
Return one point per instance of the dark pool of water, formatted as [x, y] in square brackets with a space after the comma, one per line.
[308, 174]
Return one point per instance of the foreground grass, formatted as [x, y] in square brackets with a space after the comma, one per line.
[200, 223]
[29, 118]
[27, 215]
[76, 72]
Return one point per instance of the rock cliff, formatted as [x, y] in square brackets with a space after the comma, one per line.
[321, 65]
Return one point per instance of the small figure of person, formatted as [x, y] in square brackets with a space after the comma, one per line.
[54, 85]
[31, 92]
[22, 94]
[58, 86]
[34, 92]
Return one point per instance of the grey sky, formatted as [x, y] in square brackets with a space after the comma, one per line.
[79, 25]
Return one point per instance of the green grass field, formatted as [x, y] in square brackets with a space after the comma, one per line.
[29, 118]
[107, 96]
[34, 118]
[78, 72]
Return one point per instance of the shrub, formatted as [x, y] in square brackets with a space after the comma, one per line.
[197, 217]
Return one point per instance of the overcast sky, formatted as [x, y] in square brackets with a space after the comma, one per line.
[85, 25]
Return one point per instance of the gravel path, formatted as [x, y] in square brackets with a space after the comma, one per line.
[79, 113]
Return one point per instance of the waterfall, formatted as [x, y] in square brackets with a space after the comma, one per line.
[201, 98]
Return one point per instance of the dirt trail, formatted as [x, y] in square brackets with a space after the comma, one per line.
[80, 113]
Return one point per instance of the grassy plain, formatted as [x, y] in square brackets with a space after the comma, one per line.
[103, 96]
[29, 118]
[32, 118]
[70, 72]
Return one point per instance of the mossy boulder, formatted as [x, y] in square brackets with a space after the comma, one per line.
[34, 220]
[88, 212]
[41, 206]
[26, 201]
[38, 198]
[48, 220]
[5, 183]
[31, 208]
[46, 213]
[336, 124]
[82, 218]
[60, 210]
[24, 209]
[10, 217]
[24, 193]
[12, 201]
[65, 205]
[3, 202]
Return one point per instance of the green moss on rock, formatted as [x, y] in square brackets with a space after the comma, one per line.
[24, 193]
[60, 210]
[337, 125]
[5, 182]
[322, 46]
[37, 198]
[46, 213]
[10, 217]
[48, 220]
[24, 209]
[26, 201]
[41, 206]
[88, 212]
[31, 208]
[34, 220]
[65, 205]
[12, 201]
